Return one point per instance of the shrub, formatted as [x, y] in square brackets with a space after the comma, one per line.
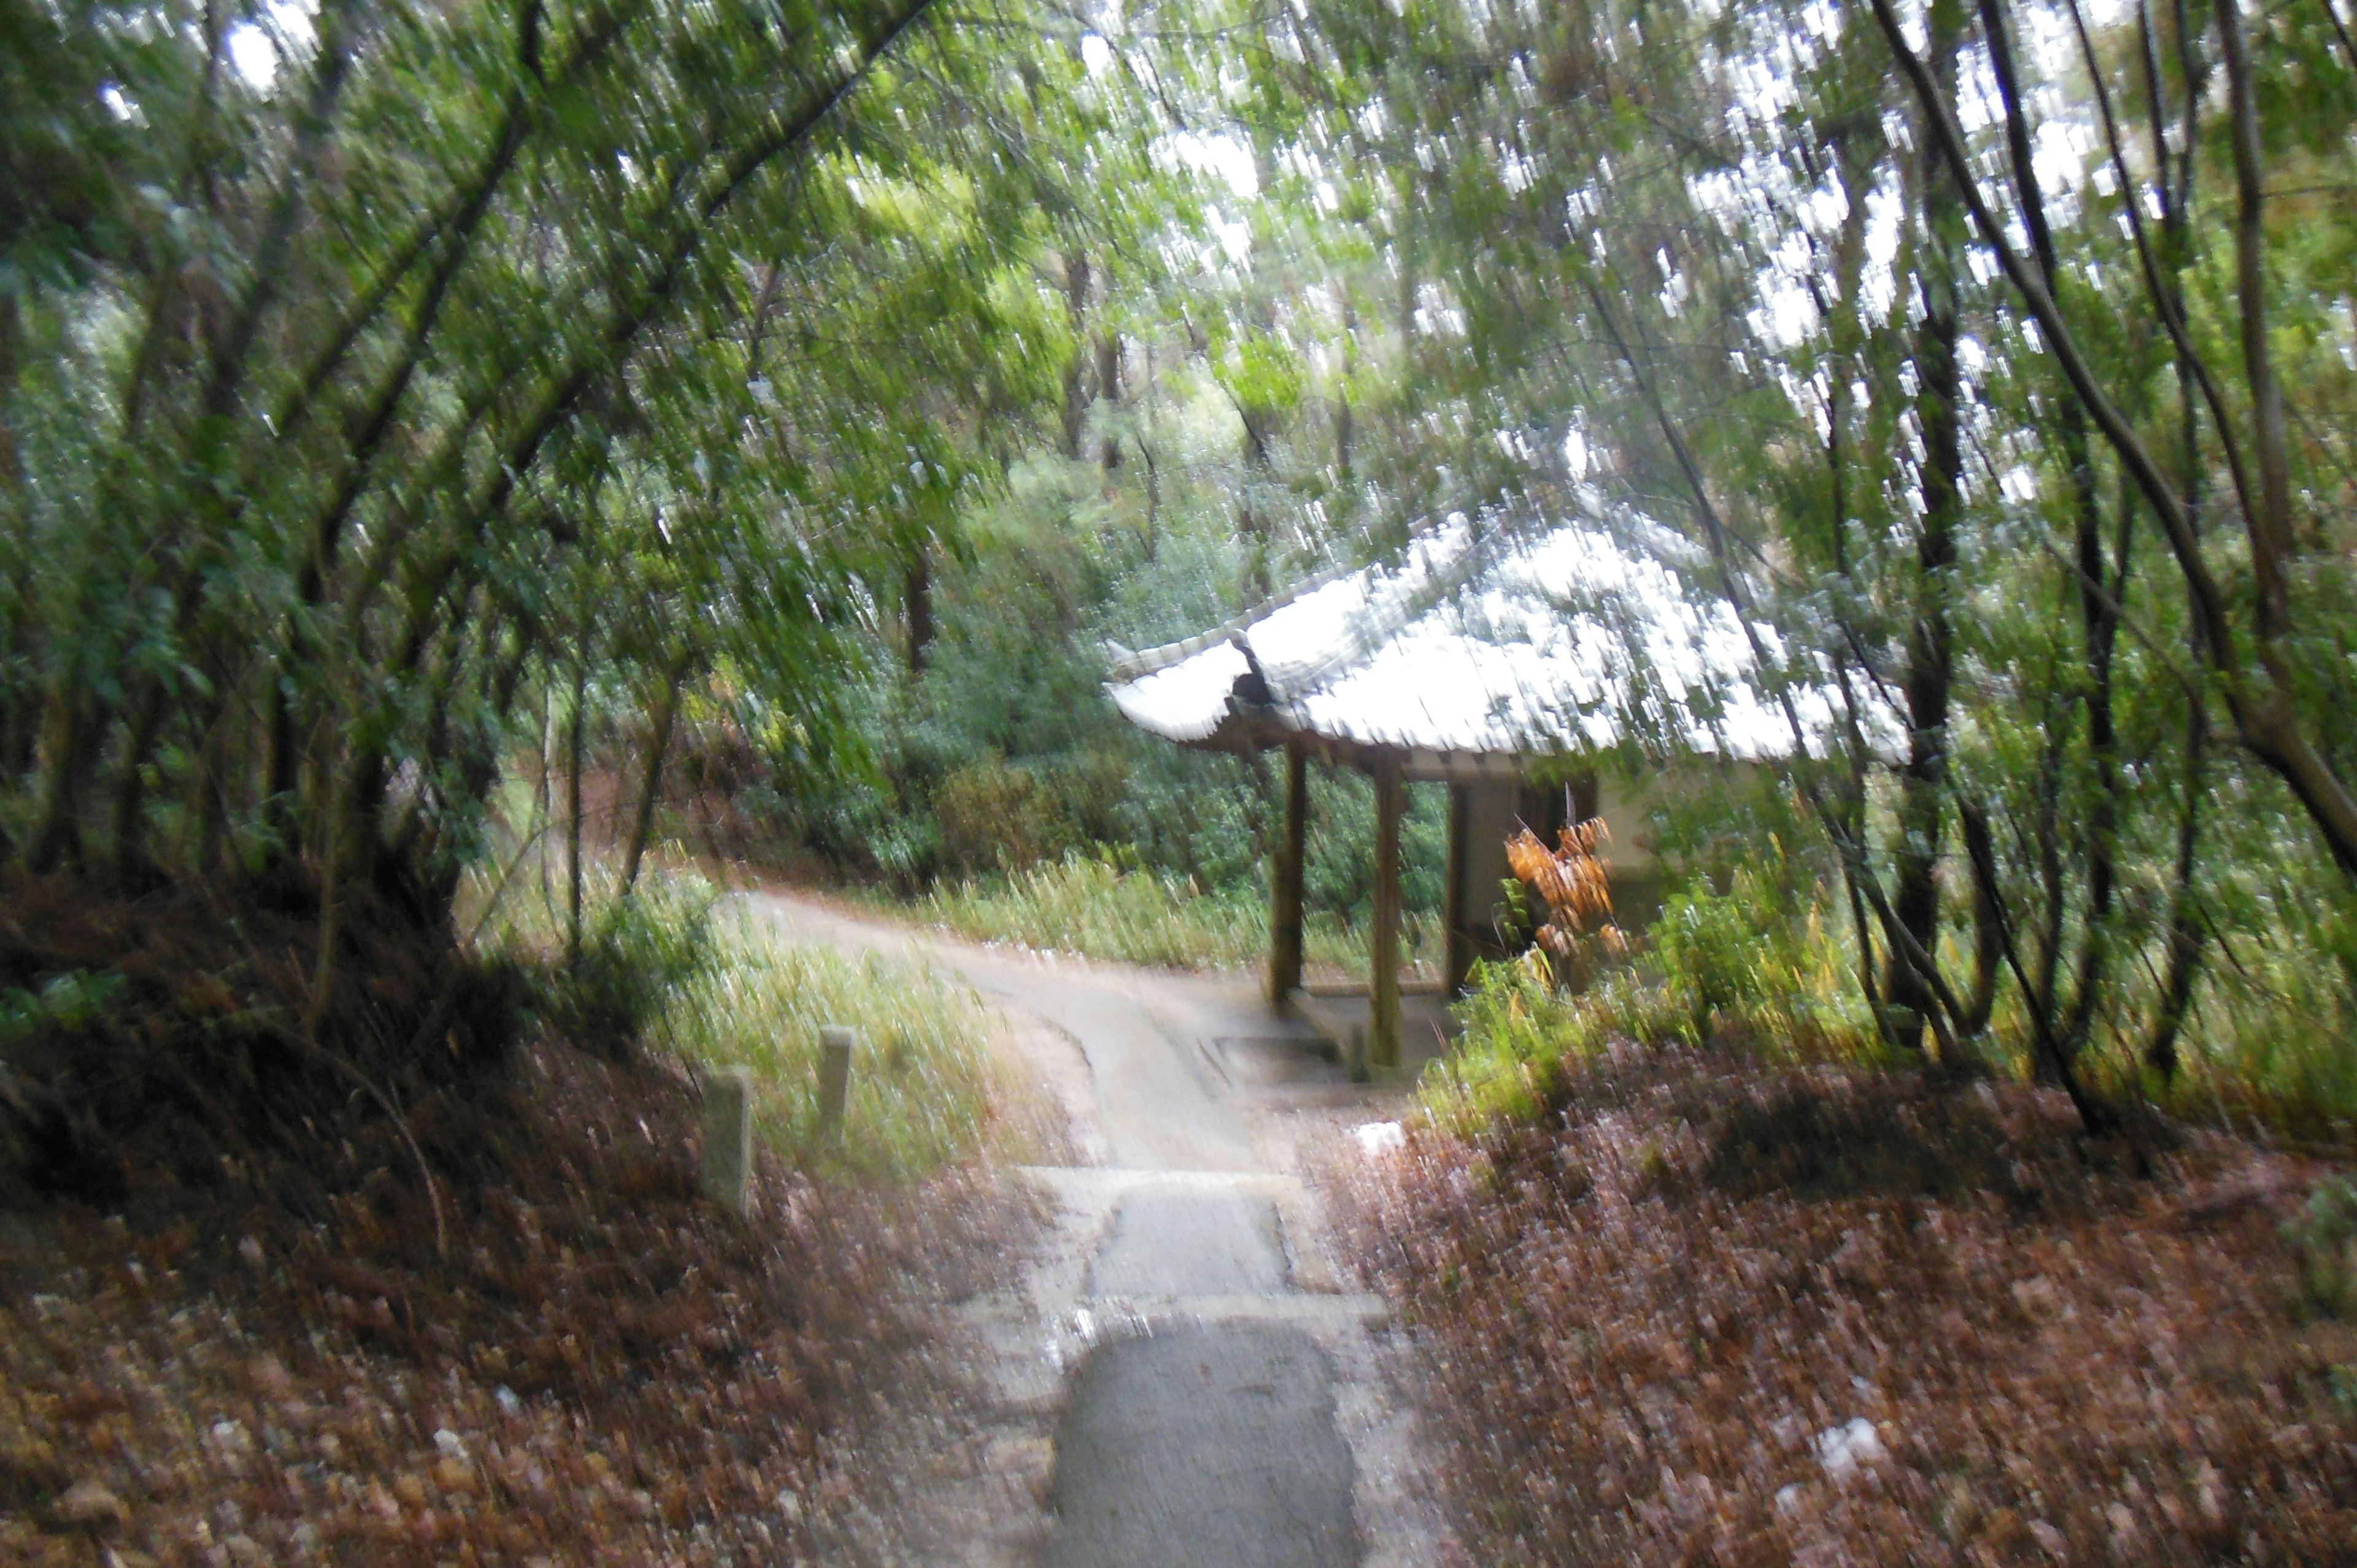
[708, 985]
[1759, 961]
[998, 818]
[640, 951]
[1753, 965]
[1522, 1030]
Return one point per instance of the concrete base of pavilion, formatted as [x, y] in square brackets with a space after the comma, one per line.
[1343, 1013]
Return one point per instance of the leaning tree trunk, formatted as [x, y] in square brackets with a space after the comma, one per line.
[1923, 781]
[651, 782]
[573, 755]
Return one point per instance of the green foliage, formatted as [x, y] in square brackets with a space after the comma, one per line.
[998, 817]
[638, 955]
[1004, 754]
[1264, 374]
[840, 378]
[1681, 269]
[2278, 1013]
[66, 1003]
[1759, 961]
[1521, 1030]
[1753, 969]
[1338, 872]
[365, 386]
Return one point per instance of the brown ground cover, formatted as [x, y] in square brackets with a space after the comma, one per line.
[1712, 1311]
[601, 1368]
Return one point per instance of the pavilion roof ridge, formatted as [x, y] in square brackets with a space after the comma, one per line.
[1125, 663]
[1487, 640]
[1398, 595]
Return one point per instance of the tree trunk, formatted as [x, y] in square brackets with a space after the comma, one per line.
[1152, 544]
[917, 607]
[2184, 912]
[57, 833]
[2185, 931]
[1923, 813]
[1109, 388]
[2098, 619]
[651, 777]
[573, 756]
[1987, 924]
[1076, 368]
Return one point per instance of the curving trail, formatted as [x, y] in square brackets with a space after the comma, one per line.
[1181, 1382]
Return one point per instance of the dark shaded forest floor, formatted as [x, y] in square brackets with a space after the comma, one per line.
[603, 1367]
[1706, 1311]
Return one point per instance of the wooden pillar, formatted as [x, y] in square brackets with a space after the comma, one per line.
[1285, 883]
[1384, 989]
[1454, 916]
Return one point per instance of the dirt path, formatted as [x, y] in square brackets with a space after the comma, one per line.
[1181, 1382]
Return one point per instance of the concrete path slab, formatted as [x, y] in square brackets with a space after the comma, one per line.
[1175, 1243]
[1202, 1447]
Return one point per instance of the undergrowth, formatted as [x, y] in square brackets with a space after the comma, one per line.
[159, 1045]
[926, 1091]
[1095, 908]
[575, 1358]
[413, 1267]
[705, 983]
[1766, 969]
[1703, 1270]
[1737, 968]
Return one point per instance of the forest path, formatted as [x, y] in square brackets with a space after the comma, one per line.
[1181, 1380]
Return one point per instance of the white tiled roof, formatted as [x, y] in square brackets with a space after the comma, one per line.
[1480, 643]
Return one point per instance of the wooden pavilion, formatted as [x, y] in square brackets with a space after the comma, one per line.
[1483, 660]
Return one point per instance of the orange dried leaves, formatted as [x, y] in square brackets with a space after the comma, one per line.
[1573, 882]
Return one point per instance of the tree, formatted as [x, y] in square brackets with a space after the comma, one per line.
[329, 446]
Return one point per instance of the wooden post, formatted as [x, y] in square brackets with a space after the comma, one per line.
[1453, 913]
[835, 1046]
[727, 1169]
[1285, 883]
[1383, 977]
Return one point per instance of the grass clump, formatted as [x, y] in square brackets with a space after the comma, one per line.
[671, 968]
[1094, 908]
[1521, 1030]
[925, 1088]
[1097, 909]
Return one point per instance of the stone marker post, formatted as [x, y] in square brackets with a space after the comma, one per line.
[727, 1173]
[835, 1043]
